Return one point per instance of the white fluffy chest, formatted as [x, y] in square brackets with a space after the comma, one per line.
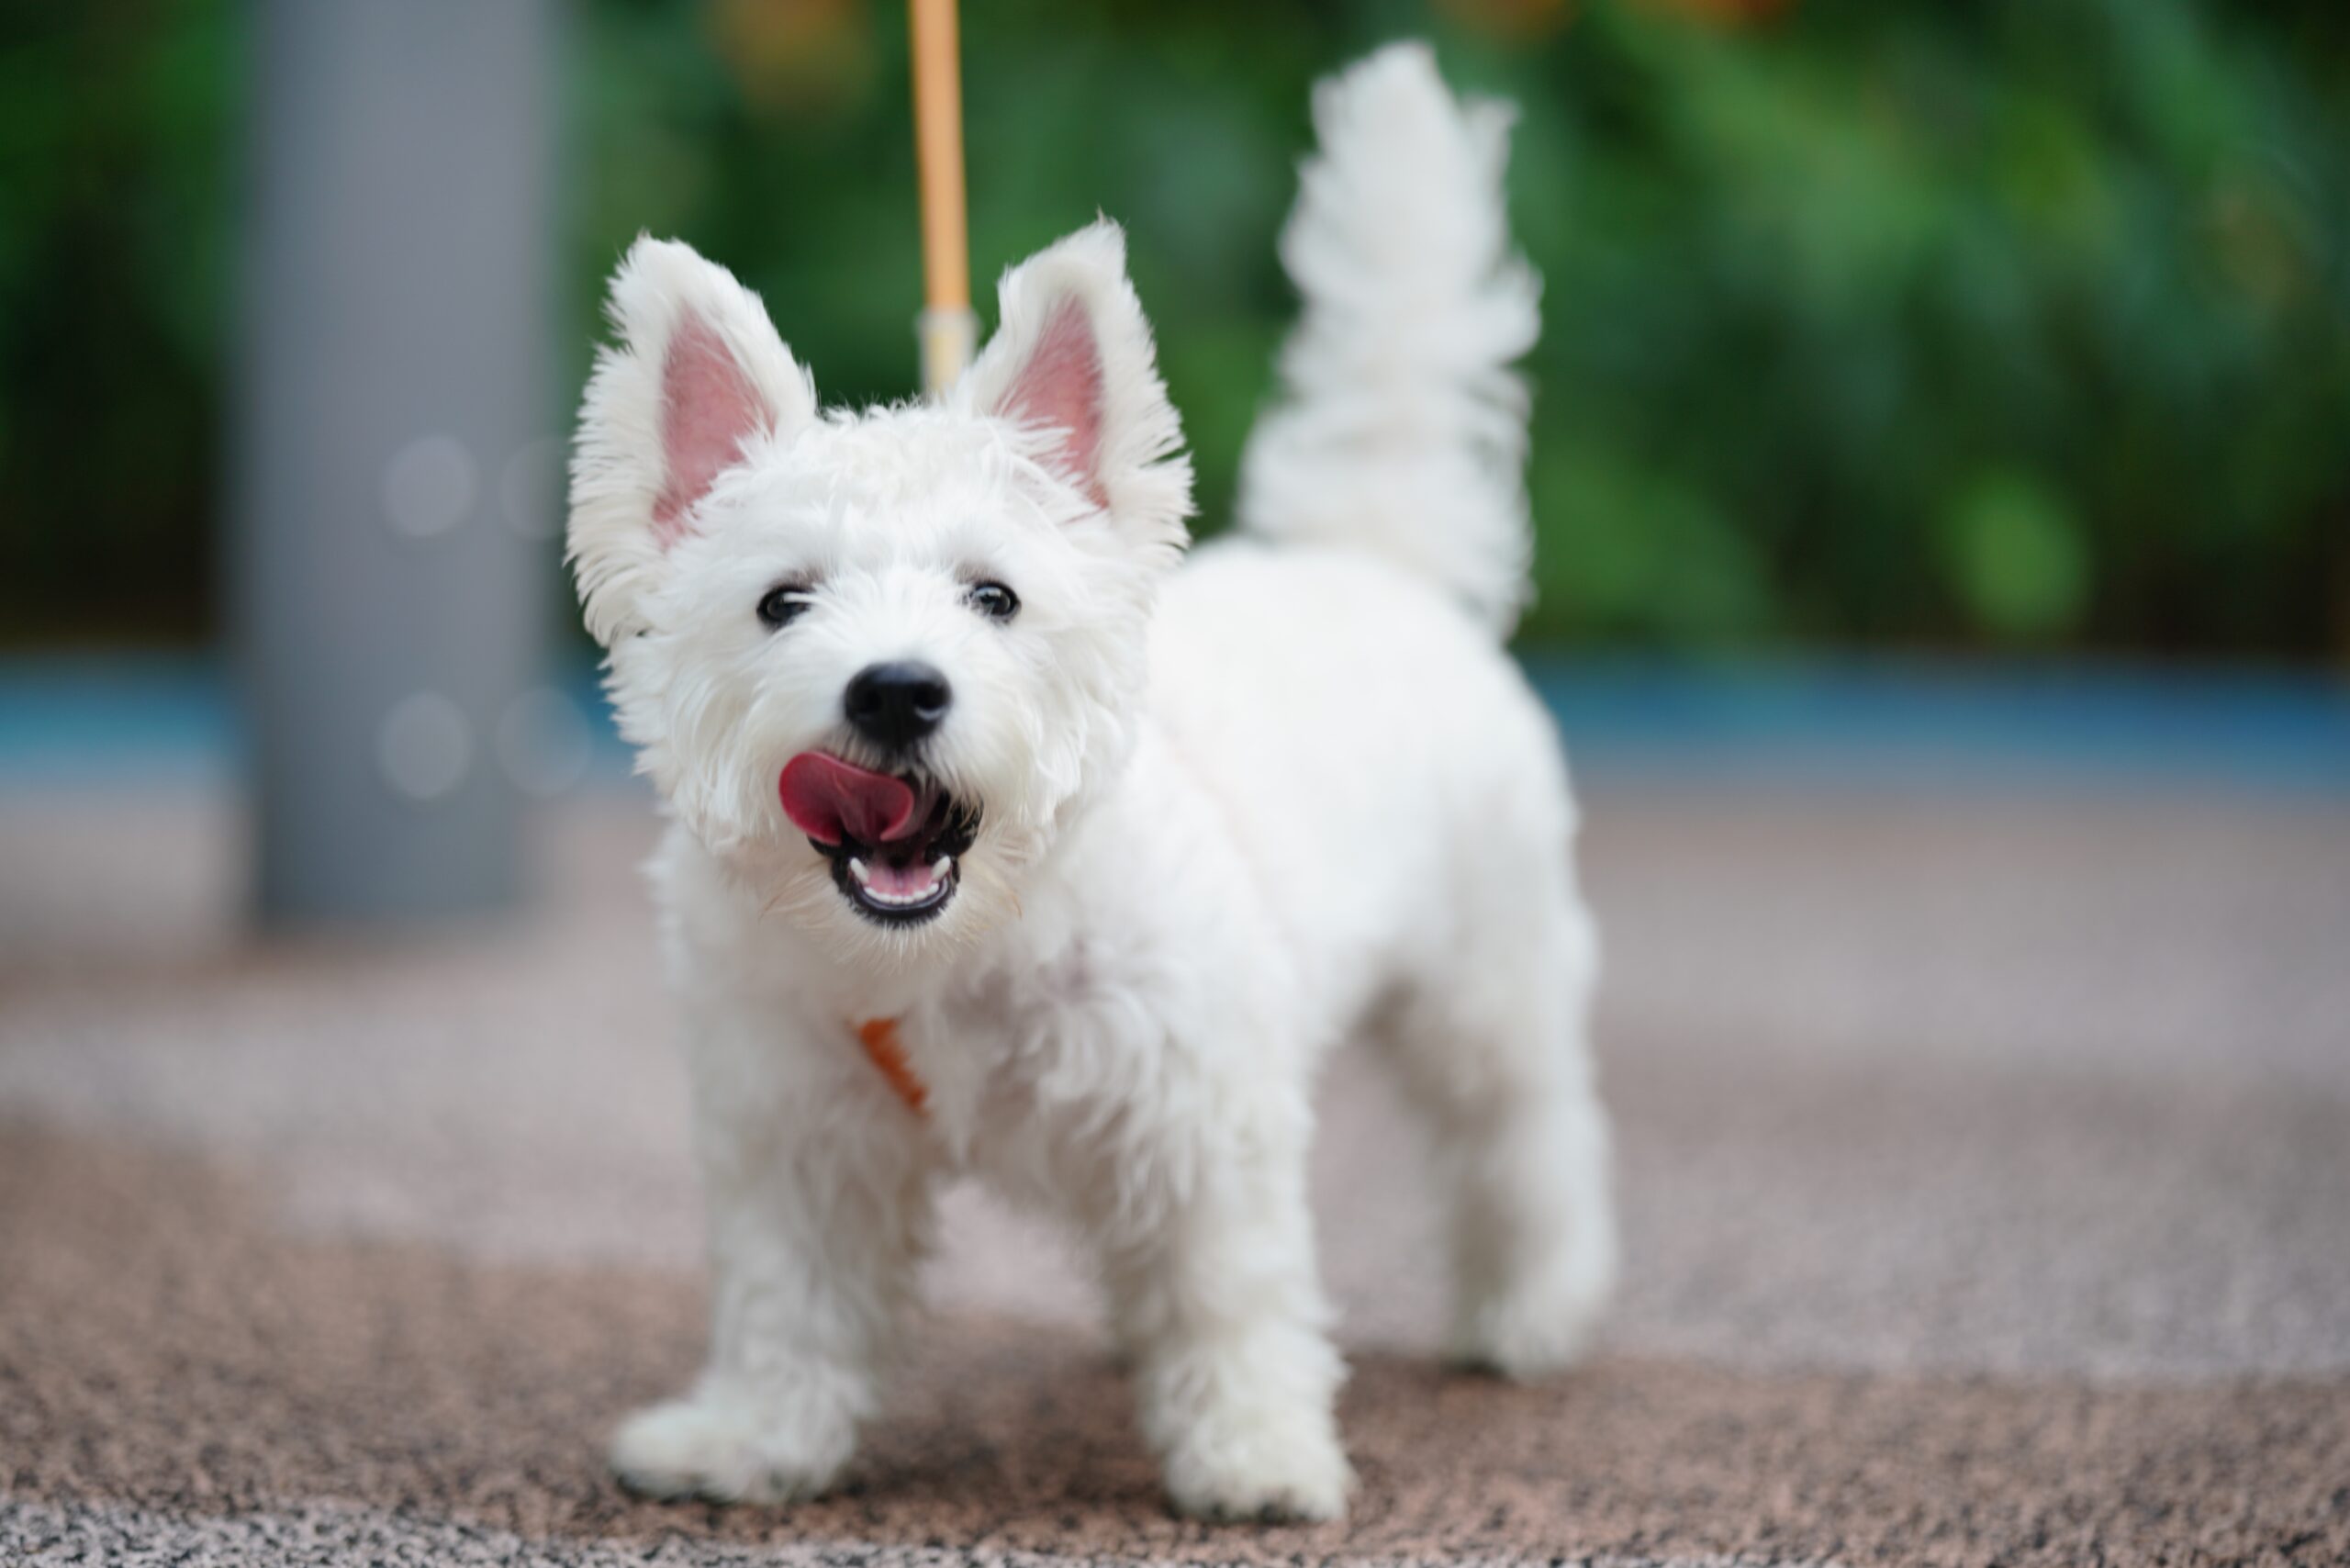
[1026, 1062]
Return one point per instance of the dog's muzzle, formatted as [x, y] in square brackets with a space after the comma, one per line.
[895, 841]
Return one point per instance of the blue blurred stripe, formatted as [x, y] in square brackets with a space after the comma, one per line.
[75, 721]
[89, 722]
[1921, 725]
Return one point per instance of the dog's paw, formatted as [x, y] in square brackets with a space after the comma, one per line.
[728, 1452]
[1541, 1327]
[1273, 1470]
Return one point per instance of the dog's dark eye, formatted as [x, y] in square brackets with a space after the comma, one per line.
[783, 604]
[994, 600]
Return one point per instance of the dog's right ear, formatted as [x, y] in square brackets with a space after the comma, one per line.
[697, 378]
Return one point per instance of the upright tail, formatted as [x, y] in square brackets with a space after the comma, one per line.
[1402, 430]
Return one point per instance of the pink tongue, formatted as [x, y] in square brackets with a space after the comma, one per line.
[829, 801]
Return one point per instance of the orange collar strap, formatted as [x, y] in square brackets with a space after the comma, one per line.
[888, 1053]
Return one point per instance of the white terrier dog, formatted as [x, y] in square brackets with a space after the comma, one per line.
[1003, 847]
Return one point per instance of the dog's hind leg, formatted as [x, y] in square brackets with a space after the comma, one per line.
[1492, 1044]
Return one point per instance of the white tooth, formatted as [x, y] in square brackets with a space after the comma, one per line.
[856, 868]
[945, 864]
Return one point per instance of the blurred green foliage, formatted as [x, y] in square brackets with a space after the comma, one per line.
[2018, 323]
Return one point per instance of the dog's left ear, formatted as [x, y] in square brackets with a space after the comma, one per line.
[1073, 360]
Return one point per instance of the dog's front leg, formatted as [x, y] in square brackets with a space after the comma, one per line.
[1215, 1293]
[819, 1191]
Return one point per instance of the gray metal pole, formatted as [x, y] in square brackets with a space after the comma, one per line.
[397, 490]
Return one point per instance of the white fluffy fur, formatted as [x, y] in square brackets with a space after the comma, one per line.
[1402, 408]
[1232, 814]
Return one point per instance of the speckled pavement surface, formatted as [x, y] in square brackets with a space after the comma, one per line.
[1985, 1167]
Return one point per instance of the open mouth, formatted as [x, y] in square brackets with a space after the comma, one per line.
[895, 841]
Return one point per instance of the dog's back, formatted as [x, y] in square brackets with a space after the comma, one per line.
[1334, 667]
[1333, 675]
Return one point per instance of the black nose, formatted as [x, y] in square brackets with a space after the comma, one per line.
[897, 703]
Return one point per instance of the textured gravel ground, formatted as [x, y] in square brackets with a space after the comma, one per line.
[1986, 1165]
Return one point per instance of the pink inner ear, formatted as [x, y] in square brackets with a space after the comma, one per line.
[708, 406]
[1061, 386]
